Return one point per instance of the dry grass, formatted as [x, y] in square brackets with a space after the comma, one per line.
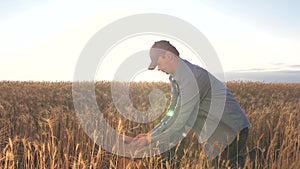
[39, 127]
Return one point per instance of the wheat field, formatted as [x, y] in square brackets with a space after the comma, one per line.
[39, 127]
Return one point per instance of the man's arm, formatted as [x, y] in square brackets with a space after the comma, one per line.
[174, 100]
[160, 127]
[187, 110]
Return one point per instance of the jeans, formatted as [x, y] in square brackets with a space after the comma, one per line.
[234, 153]
[187, 149]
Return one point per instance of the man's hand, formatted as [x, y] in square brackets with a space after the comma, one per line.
[126, 139]
[140, 142]
[141, 139]
[141, 135]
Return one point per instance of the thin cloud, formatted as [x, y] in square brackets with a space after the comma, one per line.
[272, 67]
[285, 66]
[289, 76]
[295, 66]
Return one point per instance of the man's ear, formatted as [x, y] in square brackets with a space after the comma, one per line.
[169, 55]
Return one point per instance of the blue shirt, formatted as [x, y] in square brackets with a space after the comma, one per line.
[204, 104]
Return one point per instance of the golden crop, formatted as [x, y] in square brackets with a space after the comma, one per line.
[39, 127]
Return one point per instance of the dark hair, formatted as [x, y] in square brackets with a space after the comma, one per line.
[165, 45]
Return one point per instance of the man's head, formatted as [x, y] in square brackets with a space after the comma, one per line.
[163, 55]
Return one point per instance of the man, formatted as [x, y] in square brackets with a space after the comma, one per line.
[200, 102]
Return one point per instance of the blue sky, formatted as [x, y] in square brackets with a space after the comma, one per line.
[255, 40]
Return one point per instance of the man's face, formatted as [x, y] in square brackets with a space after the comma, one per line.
[163, 64]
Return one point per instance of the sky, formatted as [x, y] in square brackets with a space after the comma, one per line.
[254, 40]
